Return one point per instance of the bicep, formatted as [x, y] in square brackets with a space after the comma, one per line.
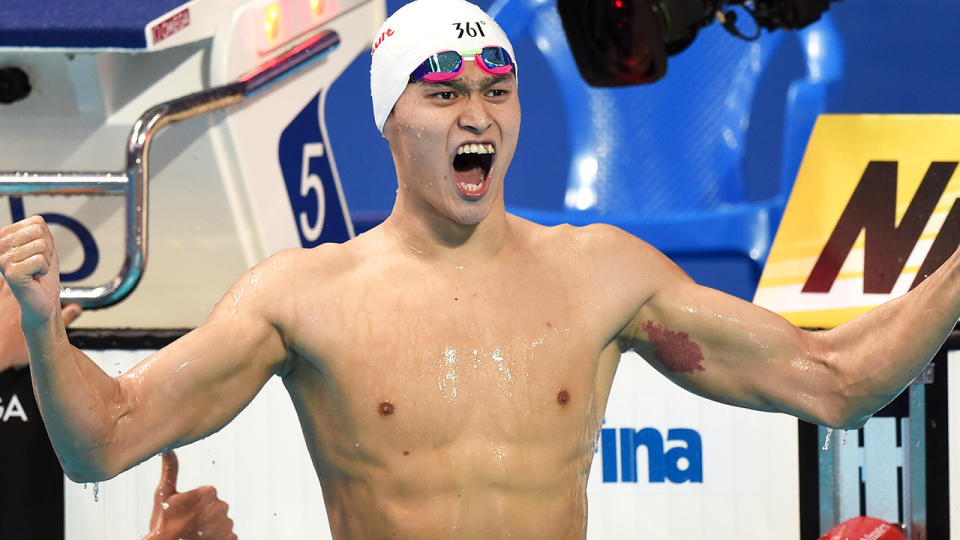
[727, 349]
[194, 386]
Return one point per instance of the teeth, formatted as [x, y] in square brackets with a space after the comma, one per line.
[471, 187]
[475, 149]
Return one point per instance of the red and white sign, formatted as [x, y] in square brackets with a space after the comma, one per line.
[171, 25]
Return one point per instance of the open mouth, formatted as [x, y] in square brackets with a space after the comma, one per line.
[471, 168]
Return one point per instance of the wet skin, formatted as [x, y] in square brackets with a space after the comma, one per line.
[450, 368]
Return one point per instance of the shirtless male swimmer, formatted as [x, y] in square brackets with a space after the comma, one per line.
[450, 367]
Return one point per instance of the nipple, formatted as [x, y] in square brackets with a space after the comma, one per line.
[385, 408]
[563, 397]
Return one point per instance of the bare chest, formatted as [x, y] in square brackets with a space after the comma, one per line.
[439, 362]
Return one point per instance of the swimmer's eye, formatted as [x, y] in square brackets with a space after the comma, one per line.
[445, 95]
[498, 92]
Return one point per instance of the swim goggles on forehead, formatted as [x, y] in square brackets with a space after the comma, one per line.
[448, 65]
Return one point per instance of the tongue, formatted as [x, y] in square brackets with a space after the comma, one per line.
[473, 175]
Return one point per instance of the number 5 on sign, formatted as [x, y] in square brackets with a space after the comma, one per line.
[318, 207]
[310, 181]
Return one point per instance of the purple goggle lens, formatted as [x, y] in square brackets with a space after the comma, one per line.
[448, 65]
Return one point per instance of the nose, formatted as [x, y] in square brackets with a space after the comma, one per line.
[474, 117]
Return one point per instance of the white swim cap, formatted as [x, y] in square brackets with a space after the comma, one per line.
[418, 30]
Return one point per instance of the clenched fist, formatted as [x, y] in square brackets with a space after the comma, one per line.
[29, 264]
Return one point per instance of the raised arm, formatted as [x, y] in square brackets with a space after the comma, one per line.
[735, 352]
[13, 346]
[101, 425]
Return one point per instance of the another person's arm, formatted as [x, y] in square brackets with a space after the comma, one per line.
[102, 425]
[734, 352]
[192, 515]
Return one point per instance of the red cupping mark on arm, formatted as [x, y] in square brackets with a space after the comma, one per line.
[676, 350]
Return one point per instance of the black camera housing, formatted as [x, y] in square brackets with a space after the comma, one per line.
[614, 42]
[627, 42]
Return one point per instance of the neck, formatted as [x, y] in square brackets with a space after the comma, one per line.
[428, 233]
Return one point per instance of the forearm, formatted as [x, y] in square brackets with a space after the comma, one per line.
[879, 353]
[13, 348]
[80, 403]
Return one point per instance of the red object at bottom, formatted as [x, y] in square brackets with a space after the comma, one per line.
[864, 528]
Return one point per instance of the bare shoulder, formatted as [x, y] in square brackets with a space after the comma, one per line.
[320, 264]
[597, 244]
[280, 284]
[623, 253]
[606, 261]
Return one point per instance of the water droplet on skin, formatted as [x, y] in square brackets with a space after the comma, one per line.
[826, 442]
[447, 381]
[357, 444]
[497, 451]
[165, 505]
[505, 384]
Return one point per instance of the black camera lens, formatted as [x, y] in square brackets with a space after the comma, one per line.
[614, 42]
[14, 85]
[622, 37]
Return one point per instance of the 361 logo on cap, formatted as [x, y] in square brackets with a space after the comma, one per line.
[472, 29]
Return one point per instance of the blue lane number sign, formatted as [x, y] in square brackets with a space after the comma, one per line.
[316, 198]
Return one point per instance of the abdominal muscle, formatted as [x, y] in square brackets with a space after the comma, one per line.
[422, 498]
[397, 461]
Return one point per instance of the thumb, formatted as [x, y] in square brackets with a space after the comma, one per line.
[168, 475]
[70, 312]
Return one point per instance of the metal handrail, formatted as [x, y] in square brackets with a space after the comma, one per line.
[133, 181]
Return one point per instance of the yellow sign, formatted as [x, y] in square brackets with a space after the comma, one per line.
[874, 210]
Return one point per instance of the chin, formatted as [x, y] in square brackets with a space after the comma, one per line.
[473, 215]
[469, 219]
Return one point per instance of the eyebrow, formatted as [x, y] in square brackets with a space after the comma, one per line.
[464, 88]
